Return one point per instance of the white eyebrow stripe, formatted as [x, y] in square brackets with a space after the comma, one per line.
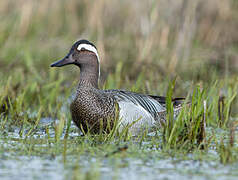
[89, 48]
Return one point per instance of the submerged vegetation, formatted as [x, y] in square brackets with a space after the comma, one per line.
[143, 48]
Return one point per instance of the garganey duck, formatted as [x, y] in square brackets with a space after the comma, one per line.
[92, 107]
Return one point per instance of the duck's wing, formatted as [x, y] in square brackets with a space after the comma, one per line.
[152, 104]
[155, 105]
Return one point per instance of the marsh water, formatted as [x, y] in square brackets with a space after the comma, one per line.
[38, 158]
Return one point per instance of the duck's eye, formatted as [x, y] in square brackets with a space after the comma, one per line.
[81, 49]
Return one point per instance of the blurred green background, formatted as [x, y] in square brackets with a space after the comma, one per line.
[143, 46]
[146, 43]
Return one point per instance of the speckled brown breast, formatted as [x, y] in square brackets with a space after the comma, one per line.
[92, 109]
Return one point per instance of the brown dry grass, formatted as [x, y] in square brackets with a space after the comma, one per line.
[171, 34]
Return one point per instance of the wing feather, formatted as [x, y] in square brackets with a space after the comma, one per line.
[150, 104]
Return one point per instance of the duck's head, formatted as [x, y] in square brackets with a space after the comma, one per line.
[83, 54]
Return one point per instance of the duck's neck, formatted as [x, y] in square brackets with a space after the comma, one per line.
[89, 76]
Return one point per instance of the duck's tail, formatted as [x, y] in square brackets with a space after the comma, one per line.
[177, 102]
